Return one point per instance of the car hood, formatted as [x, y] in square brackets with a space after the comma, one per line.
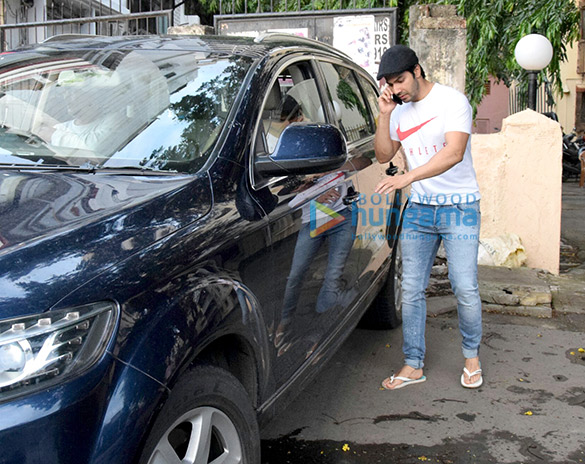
[58, 231]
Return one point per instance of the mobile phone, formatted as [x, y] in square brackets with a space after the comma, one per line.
[397, 99]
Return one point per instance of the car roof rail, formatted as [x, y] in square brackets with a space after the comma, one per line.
[59, 37]
[273, 35]
[284, 35]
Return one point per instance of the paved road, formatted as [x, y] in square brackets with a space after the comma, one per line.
[531, 407]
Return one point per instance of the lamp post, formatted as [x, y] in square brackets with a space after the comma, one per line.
[533, 52]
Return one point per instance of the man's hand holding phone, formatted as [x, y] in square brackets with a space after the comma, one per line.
[397, 99]
[388, 100]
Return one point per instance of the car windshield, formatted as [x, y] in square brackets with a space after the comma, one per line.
[156, 110]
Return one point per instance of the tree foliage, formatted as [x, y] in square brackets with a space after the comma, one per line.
[494, 27]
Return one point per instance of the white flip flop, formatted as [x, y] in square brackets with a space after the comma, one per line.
[475, 384]
[405, 382]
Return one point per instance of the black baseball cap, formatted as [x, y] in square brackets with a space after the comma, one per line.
[396, 59]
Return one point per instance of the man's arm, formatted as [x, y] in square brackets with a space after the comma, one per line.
[444, 160]
[384, 146]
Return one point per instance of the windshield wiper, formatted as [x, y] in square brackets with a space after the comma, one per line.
[134, 170]
[90, 168]
[87, 167]
[39, 166]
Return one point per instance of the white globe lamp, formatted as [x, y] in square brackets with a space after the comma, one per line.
[533, 52]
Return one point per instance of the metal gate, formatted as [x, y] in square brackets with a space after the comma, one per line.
[518, 99]
[39, 20]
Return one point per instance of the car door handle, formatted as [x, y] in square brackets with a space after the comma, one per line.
[351, 197]
[391, 170]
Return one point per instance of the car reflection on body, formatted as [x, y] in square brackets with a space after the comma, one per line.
[154, 208]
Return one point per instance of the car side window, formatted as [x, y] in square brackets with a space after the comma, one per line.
[349, 107]
[292, 98]
[372, 97]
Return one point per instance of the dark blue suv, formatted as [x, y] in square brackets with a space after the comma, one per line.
[188, 231]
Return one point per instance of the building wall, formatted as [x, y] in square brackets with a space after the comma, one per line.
[567, 102]
[17, 12]
[492, 110]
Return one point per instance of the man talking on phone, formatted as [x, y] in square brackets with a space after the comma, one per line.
[432, 123]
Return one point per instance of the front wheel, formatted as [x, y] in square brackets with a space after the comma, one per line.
[208, 418]
[386, 310]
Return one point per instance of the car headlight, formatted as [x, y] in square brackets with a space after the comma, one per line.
[52, 346]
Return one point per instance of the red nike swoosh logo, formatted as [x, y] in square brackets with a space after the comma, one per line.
[407, 133]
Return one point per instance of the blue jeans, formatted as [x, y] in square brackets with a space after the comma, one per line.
[340, 239]
[423, 229]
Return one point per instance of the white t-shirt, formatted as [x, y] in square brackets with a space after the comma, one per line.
[420, 127]
[93, 136]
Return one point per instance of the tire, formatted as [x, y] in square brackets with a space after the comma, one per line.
[207, 418]
[385, 311]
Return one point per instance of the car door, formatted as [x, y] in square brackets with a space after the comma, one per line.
[380, 231]
[313, 253]
[354, 106]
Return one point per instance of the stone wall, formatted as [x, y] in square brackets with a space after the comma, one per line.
[438, 36]
[519, 171]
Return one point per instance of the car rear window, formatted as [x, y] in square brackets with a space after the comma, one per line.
[148, 109]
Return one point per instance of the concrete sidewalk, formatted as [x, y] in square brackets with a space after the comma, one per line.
[530, 292]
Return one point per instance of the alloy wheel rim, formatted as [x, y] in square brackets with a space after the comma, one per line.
[204, 435]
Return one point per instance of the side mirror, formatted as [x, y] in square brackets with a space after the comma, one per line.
[304, 149]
